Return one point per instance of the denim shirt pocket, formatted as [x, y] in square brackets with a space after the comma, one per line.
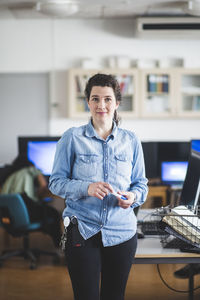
[123, 164]
[85, 166]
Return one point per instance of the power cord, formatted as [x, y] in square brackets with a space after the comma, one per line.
[171, 288]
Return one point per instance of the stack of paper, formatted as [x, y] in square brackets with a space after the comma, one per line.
[185, 223]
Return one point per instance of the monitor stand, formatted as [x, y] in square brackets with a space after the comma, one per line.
[196, 208]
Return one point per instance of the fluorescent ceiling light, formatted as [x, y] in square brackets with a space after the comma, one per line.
[58, 8]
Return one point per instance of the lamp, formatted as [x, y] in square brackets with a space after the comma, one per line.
[58, 8]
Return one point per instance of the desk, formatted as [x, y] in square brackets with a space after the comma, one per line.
[150, 251]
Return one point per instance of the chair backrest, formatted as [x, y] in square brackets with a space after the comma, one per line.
[13, 213]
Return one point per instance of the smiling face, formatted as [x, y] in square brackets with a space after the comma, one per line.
[102, 104]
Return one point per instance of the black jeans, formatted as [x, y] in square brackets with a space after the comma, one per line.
[89, 263]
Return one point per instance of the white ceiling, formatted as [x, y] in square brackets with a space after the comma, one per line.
[25, 9]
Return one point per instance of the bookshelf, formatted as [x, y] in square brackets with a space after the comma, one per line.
[146, 93]
[157, 91]
[188, 83]
[128, 81]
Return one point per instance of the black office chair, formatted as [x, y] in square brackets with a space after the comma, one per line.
[15, 220]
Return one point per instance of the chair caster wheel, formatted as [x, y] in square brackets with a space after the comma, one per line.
[56, 260]
[33, 266]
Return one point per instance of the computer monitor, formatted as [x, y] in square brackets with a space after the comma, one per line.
[173, 151]
[156, 152]
[195, 146]
[191, 187]
[150, 159]
[173, 172]
[40, 151]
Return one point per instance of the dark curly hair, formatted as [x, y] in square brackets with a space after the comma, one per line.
[105, 80]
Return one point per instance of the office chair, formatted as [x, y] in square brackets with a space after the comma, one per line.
[15, 220]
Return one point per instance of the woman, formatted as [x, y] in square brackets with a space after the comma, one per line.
[91, 163]
[24, 178]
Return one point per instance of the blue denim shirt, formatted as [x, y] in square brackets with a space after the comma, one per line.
[82, 157]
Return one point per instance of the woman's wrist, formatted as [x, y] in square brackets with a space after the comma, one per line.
[133, 197]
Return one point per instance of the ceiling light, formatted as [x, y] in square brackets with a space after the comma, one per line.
[58, 8]
[193, 8]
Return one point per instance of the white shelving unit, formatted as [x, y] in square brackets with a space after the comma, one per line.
[128, 80]
[188, 98]
[146, 93]
[157, 92]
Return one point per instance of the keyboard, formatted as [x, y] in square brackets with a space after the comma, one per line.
[150, 227]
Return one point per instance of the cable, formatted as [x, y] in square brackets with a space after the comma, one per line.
[171, 288]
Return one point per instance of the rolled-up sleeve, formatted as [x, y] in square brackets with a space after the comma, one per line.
[60, 182]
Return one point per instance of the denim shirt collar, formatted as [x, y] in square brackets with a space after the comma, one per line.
[91, 132]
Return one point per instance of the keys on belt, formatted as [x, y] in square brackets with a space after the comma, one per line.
[67, 222]
[63, 240]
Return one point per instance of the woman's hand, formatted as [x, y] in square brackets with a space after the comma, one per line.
[129, 201]
[99, 189]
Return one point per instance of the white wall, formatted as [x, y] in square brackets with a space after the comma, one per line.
[146, 130]
[40, 45]
[25, 46]
[23, 110]
[46, 45]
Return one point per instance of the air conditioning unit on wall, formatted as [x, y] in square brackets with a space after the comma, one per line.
[168, 27]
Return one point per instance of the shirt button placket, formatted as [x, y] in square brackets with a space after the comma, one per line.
[105, 154]
[106, 161]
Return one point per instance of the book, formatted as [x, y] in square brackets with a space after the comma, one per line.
[187, 215]
[159, 83]
[151, 83]
[165, 87]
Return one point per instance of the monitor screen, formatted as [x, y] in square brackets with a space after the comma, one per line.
[150, 159]
[173, 151]
[42, 155]
[40, 151]
[157, 152]
[189, 193]
[195, 146]
[173, 171]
